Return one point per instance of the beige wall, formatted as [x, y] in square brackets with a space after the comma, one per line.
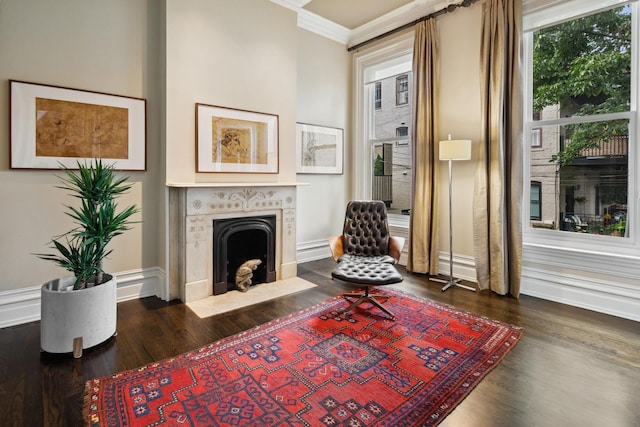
[175, 53]
[324, 88]
[460, 116]
[226, 53]
[85, 44]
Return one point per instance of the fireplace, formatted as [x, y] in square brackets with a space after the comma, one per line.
[193, 211]
[240, 240]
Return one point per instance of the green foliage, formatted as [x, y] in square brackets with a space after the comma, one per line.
[589, 135]
[584, 66]
[378, 166]
[97, 221]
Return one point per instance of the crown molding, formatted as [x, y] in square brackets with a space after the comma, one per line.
[392, 20]
[294, 5]
[397, 18]
[323, 27]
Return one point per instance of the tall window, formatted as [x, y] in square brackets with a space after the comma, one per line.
[582, 122]
[378, 95]
[402, 90]
[383, 168]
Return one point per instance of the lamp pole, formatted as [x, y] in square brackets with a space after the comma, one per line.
[458, 150]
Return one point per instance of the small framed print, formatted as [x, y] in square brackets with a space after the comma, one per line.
[53, 126]
[319, 149]
[233, 140]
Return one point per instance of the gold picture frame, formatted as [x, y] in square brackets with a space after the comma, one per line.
[235, 141]
[53, 126]
[319, 149]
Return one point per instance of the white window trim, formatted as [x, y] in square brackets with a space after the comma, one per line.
[394, 47]
[548, 244]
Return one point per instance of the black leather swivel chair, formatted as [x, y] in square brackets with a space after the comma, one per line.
[366, 253]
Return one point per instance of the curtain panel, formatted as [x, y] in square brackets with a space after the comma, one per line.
[423, 241]
[498, 184]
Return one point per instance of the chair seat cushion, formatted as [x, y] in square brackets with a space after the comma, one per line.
[367, 273]
[380, 259]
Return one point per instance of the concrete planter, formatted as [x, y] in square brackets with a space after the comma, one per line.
[75, 320]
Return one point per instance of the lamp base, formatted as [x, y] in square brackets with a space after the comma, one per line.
[451, 282]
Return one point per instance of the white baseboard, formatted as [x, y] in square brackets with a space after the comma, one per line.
[609, 297]
[23, 305]
[463, 266]
[605, 296]
[595, 294]
[313, 250]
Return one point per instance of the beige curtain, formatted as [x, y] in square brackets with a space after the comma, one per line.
[498, 192]
[423, 243]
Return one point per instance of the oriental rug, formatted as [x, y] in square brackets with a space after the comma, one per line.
[317, 367]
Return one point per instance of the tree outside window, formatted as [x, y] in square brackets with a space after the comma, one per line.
[582, 111]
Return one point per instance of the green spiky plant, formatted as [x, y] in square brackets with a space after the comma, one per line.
[97, 221]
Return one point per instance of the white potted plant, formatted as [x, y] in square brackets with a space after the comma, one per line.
[79, 311]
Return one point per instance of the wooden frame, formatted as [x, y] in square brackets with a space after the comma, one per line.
[319, 149]
[53, 126]
[236, 141]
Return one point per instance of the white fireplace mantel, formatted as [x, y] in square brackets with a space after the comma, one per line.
[192, 210]
[233, 184]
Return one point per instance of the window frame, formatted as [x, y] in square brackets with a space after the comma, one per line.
[396, 47]
[539, 239]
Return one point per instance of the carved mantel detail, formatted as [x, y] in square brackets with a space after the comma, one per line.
[197, 207]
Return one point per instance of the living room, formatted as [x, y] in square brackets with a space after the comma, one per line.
[248, 55]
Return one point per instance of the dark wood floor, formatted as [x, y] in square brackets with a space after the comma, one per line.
[572, 367]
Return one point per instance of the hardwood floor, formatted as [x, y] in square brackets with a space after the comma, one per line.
[572, 367]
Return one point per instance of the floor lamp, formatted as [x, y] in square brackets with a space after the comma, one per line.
[450, 150]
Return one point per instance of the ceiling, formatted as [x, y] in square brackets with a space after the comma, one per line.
[352, 14]
[351, 22]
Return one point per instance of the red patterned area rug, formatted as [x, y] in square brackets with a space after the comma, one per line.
[315, 368]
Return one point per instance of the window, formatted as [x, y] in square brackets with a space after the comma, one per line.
[378, 95]
[536, 204]
[582, 120]
[402, 90]
[536, 138]
[383, 167]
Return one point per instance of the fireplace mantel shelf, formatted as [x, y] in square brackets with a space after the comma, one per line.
[233, 184]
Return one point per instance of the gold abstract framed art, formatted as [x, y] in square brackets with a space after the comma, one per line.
[234, 140]
[319, 149]
[53, 126]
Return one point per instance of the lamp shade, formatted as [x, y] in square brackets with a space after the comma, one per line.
[455, 149]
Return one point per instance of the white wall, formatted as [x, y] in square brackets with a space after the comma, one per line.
[83, 44]
[324, 87]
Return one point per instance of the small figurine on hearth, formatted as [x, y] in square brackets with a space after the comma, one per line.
[244, 274]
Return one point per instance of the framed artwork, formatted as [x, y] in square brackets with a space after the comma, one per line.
[53, 126]
[319, 149]
[233, 140]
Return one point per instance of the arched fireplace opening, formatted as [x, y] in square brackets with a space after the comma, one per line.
[238, 240]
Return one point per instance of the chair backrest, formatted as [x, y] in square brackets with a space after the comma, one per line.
[366, 230]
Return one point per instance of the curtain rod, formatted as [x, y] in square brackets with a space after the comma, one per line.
[448, 9]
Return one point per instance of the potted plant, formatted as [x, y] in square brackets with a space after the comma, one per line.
[79, 311]
[619, 228]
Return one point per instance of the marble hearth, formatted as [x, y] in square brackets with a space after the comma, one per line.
[192, 210]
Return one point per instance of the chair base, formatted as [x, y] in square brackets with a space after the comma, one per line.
[367, 297]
